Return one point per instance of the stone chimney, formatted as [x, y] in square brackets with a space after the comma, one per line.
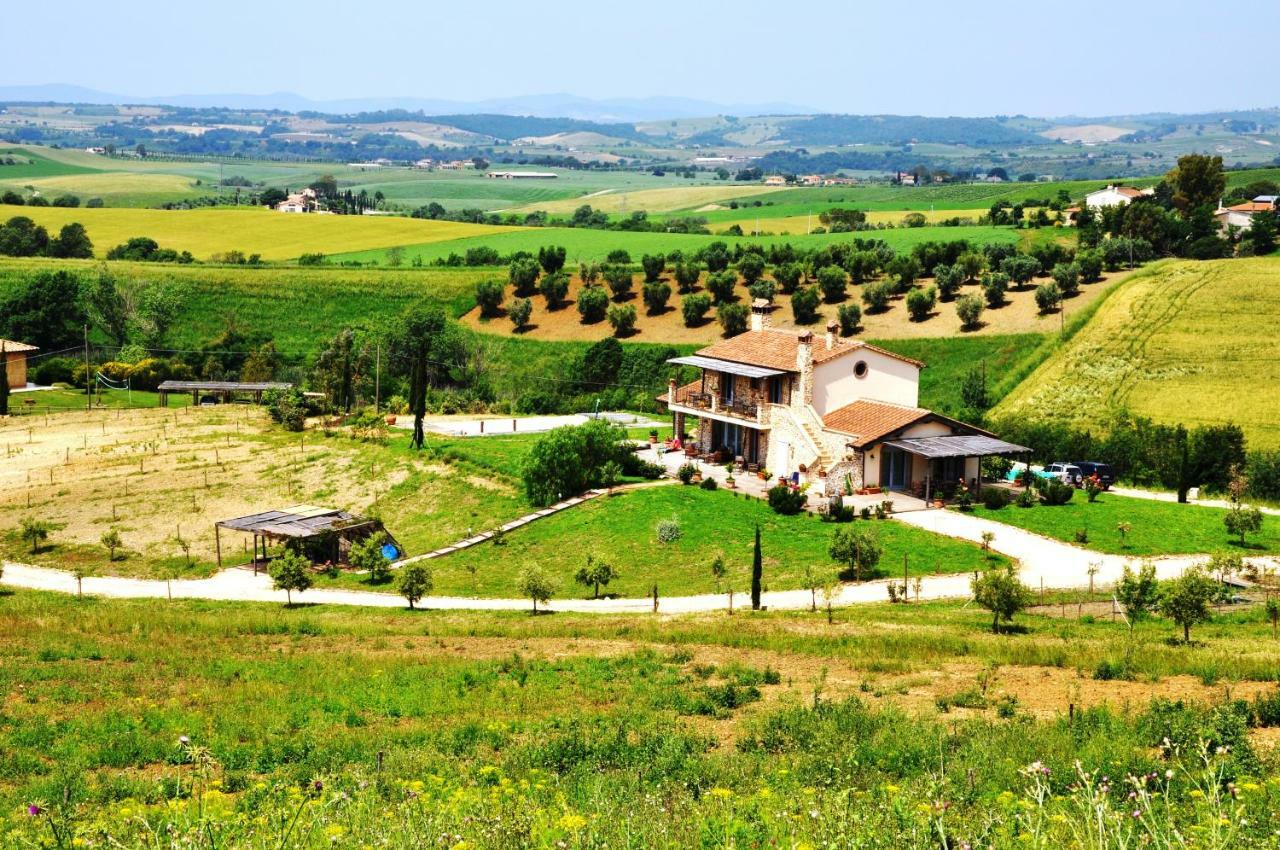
[671, 390]
[760, 309]
[833, 328]
[804, 365]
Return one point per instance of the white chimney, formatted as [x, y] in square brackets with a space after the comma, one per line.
[832, 328]
[760, 314]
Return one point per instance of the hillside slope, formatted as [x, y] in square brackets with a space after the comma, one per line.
[1190, 342]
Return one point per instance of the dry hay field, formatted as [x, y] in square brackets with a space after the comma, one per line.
[1018, 315]
[158, 474]
[662, 200]
[270, 234]
[1181, 341]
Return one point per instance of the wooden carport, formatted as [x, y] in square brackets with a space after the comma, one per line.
[303, 523]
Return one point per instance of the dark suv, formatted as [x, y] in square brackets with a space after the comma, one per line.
[1088, 469]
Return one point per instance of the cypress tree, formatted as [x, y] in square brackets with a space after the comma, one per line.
[757, 572]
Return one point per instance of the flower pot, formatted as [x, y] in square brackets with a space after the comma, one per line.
[937, 503]
[391, 419]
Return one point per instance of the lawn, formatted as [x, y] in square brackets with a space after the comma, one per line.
[1181, 341]
[622, 530]
[272, 235]
[1156, 528]
[190, 720]
[623, 201]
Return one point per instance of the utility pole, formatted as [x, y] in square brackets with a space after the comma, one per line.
[377, 376]
[88, 393]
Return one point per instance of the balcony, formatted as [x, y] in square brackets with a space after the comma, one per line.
[693, 399]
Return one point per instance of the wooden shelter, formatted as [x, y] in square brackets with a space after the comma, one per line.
[324, 533]
[225, 391]
[13, 362]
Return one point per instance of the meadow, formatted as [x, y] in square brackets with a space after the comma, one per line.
[1154, 528]
[1179, 341]
[583, 244]
[271, 235]
[201, 724]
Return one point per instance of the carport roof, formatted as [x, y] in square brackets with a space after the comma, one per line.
[966, 445]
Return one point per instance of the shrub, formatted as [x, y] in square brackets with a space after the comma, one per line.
[1054, 492]
[653, 265]
[733, 318]
[858, 549]
[833, 283]
[686, 274]
[1026, 499]
[721, 285]
[287, 407]
[1048, 297]
[519, 312]
[920, 303]
[367, 555]
[1109, 670]
[523, 275]
[686, 472]
[668, 530]
[554, 287]
[969, 309]
[788, 276]
[948, 279]
[54, 370]
[850, 316]
[592, 304]
[786, 501]
[489, 295]
[876, 296]
[694, 309]
[804, 305]
[619, 280]
[567, 461]
[995, 498]
[1067, 276]
[623, 319]
[1002, 593]
[762, 288]
[994, 287]
[656, 295]
[708, 484]
[618, 255]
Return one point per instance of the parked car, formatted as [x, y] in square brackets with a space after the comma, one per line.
[1067, 473]
[1105, 474]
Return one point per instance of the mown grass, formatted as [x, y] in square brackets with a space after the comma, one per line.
[1185, 342]
[504, 730]
[622, 529]
[1156, 528]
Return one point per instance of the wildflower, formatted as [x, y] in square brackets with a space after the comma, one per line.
[33, 810]
[571, 822]
[1196, 793]
[722, 793]
[317, 786]
[1168, 774]
[183, 740]
[892, 789]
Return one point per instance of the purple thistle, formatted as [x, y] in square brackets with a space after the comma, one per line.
[33, 810]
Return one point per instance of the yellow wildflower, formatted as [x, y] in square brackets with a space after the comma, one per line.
[722, 793]
[571, 822]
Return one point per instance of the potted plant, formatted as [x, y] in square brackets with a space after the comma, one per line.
[728, 482]
[653, 435]
[391, 419]
[764, 474]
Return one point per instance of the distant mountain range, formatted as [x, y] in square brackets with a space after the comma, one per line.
[611, 110]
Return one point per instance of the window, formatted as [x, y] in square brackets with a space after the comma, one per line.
[726, 387]
[860, 369]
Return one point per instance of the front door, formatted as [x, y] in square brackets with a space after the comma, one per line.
[783, 455]
[895, 466]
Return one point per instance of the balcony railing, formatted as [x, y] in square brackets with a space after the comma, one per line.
[740, 408]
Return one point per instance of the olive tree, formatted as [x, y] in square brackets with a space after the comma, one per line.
[1002, 593]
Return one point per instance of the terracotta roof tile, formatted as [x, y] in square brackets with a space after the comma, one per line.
[868, 421]
[776, 349]
[1251, 207]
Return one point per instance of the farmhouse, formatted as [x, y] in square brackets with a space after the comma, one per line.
[300, 202]
[14, 356]
[1240, 216]
[775, 180]
[1113, 196]
[840, 413]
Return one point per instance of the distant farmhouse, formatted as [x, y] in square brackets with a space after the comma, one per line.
[775, 180]
[1114, 196]
[300, 202]
[1240, 216]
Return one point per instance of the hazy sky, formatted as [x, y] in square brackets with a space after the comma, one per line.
[932, 58]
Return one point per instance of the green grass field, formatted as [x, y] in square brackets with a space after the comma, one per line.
[592, 245]
[1157, 528]
[257, 726]
[621, 530]
[1188, 342]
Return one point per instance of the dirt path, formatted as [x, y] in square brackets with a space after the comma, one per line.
[1160, 496]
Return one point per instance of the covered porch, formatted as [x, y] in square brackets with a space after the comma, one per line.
[931, 468]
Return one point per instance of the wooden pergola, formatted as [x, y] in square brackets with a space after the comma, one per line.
[224, 390]
[303, 523]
